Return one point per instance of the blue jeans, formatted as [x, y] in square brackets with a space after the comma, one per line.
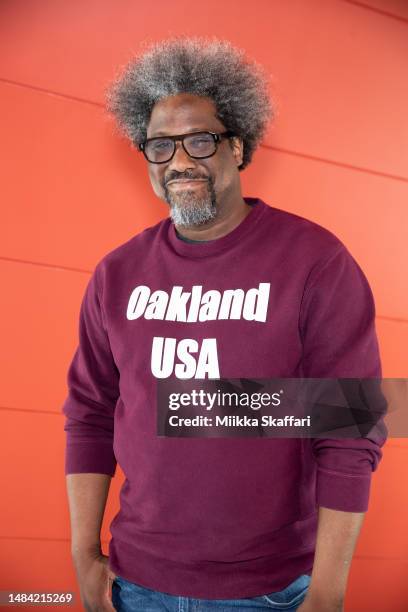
[131, 597]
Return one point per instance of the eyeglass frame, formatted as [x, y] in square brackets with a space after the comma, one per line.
[180, 138]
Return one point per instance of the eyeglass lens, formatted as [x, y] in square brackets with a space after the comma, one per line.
[161, 149]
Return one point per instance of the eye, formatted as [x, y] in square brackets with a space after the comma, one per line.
[200, 141]
[161, 145]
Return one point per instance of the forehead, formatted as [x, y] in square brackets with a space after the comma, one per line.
[183, 113]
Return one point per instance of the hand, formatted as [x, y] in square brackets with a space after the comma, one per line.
[95, 581]
[313, 604]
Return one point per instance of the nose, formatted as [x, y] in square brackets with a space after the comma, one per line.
[181, 160]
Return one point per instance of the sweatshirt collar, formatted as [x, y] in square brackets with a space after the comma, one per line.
[210, 247]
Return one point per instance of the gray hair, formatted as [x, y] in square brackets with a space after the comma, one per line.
[205, 67]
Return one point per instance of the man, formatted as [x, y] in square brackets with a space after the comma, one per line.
[226, 287]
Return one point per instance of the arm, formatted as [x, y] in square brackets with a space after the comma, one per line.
[337, 327]
[87, 495]
[339, 341]
[90, 462]
[93, 391]
[336, 539]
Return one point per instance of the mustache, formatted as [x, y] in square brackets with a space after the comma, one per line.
[185, 176]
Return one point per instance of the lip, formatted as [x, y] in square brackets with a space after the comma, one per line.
[186, 182]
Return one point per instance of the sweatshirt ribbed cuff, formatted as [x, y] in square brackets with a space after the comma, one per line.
[346, 492]
[92, 457]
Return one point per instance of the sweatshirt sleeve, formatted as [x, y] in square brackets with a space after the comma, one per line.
[337, 326]
[93, 390]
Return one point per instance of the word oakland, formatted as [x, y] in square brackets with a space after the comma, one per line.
[192, 306]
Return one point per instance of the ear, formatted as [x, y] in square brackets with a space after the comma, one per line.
[237, 146]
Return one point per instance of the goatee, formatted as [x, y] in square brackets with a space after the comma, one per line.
[189, 208]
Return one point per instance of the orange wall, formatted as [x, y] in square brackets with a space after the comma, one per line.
[72, 190]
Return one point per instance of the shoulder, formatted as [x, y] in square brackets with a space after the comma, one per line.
[132, 250]
[301, 236]
[304, 228]
[135, 243]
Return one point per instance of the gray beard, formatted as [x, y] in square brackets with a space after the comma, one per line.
[187, 209]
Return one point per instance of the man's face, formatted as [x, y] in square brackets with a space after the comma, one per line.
[214, 181]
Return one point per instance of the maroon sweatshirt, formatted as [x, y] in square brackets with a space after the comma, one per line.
[219, 518]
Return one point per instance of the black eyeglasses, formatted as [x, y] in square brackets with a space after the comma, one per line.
[198, 145]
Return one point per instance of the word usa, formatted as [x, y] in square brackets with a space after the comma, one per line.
[165, 351]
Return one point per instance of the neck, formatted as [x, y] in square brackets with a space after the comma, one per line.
[227, 220]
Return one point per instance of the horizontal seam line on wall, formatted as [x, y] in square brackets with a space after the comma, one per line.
[35, 539]
[82, 271]
[394, 319]
[45, 265]
[380, 558]
[36, 410]
[395, 177]
[42, 539]
[389, 440]
[50, 92]
[104, 541]
[377, 10]
[396, 445]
